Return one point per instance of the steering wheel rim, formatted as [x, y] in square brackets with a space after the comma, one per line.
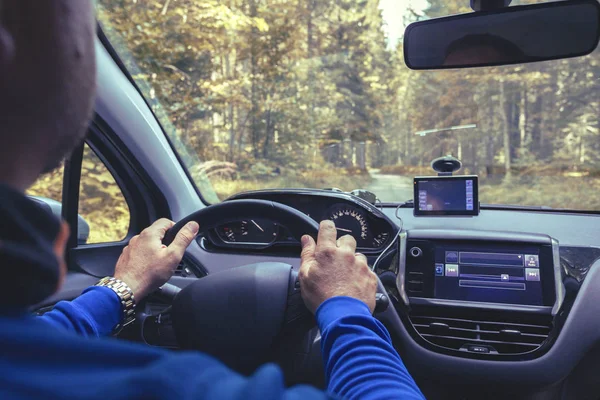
[237, 314]
[212, 216]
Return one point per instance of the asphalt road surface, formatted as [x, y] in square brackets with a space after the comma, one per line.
[391, 188]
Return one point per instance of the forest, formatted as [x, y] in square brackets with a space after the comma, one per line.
[305, 93]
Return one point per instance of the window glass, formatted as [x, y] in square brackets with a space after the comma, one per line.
[101, 202]
[316, 94]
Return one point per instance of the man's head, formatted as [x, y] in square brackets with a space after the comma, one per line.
[47, 84]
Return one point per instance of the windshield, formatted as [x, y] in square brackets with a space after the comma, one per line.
[259, 94]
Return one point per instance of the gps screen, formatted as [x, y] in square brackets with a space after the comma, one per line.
[446, 195]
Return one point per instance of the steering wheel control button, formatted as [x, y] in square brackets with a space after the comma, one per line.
[478, 349]
[452, 270]
[532, 274]
[452, 257]
[381, 302]
[532, 261]
[416, 252]
[439, 269]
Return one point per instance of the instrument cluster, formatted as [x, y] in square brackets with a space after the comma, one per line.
[351, 215]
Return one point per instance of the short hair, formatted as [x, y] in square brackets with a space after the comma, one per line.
[503, 46]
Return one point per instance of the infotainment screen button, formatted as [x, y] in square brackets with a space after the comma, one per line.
[532, 261]
[452, 257]
[439, 269]
[532, 274]
[452, 270]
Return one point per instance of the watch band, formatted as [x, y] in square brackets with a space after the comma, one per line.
[127, 300]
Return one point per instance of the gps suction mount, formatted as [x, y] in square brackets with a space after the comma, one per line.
[446, 166]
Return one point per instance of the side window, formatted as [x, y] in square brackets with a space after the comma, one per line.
[103, 211]
[101, 202]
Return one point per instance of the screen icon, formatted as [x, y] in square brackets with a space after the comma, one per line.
[532, 260]
[532, 274]
[429, 207]
[469, 200]
[452, 257]
[469, 189]
[452, 270]
[469, 182]
[505, 277]
[439, 269]
[469, 207]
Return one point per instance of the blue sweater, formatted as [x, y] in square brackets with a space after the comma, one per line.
[64, 354]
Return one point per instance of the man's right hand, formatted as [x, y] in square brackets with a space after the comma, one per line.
[146, 263]
[332, 268]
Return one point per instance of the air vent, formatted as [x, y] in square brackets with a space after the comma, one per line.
[492, 333]
[187, 269]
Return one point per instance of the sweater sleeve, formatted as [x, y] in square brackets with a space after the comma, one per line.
[93, 314]
[360, 360]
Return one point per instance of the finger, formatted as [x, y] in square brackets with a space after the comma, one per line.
[327, 234]
[184, 237]
[160, 227]
[361, 258]
[134, 240]
[347, 242]
[308, 247]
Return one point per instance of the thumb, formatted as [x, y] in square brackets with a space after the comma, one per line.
[308, 247]
[184, 237]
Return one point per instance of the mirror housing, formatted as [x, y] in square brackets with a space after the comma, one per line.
[511, 35]
[55, 207]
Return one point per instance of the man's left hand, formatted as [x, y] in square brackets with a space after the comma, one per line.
[146, 263]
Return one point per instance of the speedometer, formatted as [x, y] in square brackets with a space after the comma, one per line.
[250, 231]
[350, 221]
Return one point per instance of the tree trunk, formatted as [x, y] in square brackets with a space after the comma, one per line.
[523, 117]
[255, 134]
[230, 115]
[268, 134]
[505, 132]
[311, 76]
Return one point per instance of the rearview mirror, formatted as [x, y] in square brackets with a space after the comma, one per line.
[511, 35]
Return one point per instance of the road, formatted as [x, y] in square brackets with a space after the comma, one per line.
[391, 188]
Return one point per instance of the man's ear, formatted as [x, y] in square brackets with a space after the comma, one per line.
[59, 247]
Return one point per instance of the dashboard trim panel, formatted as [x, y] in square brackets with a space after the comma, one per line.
[474, 304]
[516, 237]
[558, 279]
[400, 277]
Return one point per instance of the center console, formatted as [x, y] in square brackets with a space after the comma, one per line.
[480, 294]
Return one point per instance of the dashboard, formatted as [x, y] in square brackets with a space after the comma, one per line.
[499, 297]
[371, 228]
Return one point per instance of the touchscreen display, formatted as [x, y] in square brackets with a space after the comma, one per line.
[494, 277]
[448, 195]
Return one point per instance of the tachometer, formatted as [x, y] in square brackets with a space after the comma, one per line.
[350, 221]
[380, 239]
[250, 231]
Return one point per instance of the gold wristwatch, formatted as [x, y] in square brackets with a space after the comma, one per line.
[127, 300]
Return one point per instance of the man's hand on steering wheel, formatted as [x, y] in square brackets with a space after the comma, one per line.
[146, 263]
[332, 268]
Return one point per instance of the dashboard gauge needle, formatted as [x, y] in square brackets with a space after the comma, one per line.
[257, 225]
[344, 230]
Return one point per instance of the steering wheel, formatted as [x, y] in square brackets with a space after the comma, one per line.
[238, 314]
